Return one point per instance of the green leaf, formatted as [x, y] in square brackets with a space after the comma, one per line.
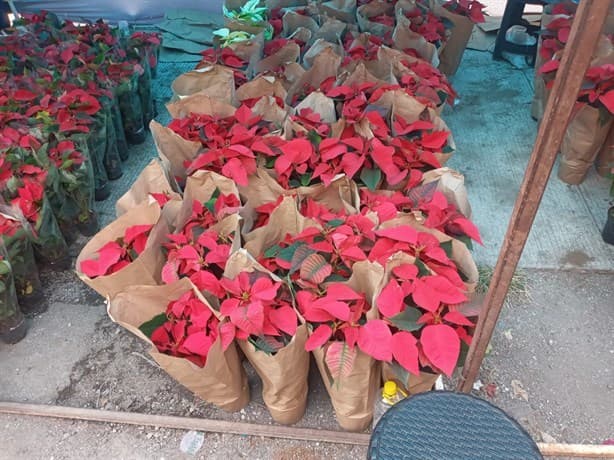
[210, 204]
[407, 319]
[422, 269]
[266, 344]
[272, 251]
[305, 179]
[5, 267]
[335, 223]
[153, 324]
[371, 177]
[288, 253]
[314, 137]
[464, 350]
[447, 247]
[465, 239]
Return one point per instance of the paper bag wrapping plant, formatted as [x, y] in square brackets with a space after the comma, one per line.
[188, 340]
[126, 252]
[151, 185]
[463, 14]
[259, 308]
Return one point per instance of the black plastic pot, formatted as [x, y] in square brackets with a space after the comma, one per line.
[33, 304]
[13, 328]
[102, 193]
[608, 229]
[90, 226]
[136, 137]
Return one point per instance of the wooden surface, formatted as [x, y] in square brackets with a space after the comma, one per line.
[575, 61]
[250, 429]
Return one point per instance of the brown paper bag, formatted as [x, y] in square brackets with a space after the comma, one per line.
[152, 179]
[318, 47]
[404, 38]
[222, 381]
[292, 21]
[320, 104]
[343, 10]
[215, 81]
[331, 30]
[173, 149]
[605, 158]
[452, 53]
[361, 75]
[269, 110]
[145, 269]
[325, 65]
[414, 384]
[201, 186]
[264, 85]
[285, 374]
[200, 103]
[250, 51]
[284, 220]
[452, 184]
[284, 56]
[353, 396]
[583, 139]
[365, 12]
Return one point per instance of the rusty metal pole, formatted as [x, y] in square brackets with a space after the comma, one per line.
[586, 29]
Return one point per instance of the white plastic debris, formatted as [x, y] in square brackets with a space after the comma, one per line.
[192, 442]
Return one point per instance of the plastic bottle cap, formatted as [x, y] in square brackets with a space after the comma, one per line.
[390, 389]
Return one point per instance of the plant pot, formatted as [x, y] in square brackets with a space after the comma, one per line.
[102, 193]
[90, 226]
[115, 172]
[33, 304]
[69, 231]
[136, 137]
[13, 328]
[608, 229]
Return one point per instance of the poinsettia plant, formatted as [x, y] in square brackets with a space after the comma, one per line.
[471, 9]
[424, 326]
[199, 250]
[188, 329]
[259, 310]
[438, 213]
[229, 144]
[426, 23]
[118, 254]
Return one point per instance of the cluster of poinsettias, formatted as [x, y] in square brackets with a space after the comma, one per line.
[598, 87]
[413, 322]
[348, 120]
[235, 146]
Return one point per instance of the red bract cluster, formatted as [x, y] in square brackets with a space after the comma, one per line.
[115, 255]
[229, 144]
[419, 312]
[439, 214]
[198, 251]
[189, 330]
[258, 309]
[427, 24]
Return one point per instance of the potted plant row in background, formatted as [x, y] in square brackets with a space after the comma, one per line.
[72, 98]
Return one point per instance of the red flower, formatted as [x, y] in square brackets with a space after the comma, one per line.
[115, 255]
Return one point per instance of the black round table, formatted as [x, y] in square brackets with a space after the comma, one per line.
[447, 425]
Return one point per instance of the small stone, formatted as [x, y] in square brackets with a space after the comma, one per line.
[548, 438]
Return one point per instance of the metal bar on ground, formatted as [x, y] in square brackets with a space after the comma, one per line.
[585, 31]
[250, 429]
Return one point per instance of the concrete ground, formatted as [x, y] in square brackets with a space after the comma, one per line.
[552, 360]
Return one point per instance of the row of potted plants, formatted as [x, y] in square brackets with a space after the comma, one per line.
[72, 98]
[589, 136]
[300, 206]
